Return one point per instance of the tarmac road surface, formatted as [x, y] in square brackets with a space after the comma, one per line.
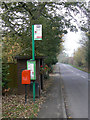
[76, 90]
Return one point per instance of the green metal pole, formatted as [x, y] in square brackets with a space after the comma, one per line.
[34, 90]
[33, 43]
[33, 58]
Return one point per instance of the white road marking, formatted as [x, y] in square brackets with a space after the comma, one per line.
[83, 77]
[78, 74]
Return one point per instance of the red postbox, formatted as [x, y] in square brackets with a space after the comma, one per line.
[26, 77]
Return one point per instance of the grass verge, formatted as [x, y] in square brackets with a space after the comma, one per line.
[80, 68]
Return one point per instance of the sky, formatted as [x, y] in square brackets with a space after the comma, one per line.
[72, 39]
[72, 42]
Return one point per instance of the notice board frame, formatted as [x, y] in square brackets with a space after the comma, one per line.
[33, 62]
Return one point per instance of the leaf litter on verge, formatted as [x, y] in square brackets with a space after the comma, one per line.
[14, 105]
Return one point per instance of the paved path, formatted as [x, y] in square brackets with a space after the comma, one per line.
[76, 88]
[0, 107]
[89, 99]
[53, 107]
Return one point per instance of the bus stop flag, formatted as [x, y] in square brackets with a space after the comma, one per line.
[38, 32]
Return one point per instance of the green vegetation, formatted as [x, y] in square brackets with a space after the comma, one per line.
[80, 58]
[56, 18]
[5, 74]
[18, 18]
[80, 68]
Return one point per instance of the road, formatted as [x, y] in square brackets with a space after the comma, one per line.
[76, 90]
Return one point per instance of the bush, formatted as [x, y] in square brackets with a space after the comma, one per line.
[5, 73]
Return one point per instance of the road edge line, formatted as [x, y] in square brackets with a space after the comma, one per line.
[63, 105]
[62, 98]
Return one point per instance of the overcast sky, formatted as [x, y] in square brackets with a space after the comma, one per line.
[72, 42]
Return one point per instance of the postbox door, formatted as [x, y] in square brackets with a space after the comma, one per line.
[26, 77]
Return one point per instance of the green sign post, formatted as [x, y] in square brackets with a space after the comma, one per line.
[36, 35]
[33, 58]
